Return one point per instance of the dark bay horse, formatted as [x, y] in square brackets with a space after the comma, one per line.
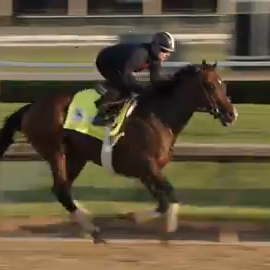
[150, 133]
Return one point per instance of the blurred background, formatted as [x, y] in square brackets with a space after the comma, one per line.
[233, 28]
[48, 46]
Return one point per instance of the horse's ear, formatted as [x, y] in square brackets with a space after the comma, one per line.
[203, 64]
[215, 64]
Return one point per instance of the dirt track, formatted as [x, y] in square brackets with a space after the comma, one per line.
[57, 256]
[26, 253]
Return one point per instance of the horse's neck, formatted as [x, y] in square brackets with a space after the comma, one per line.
[175, 110]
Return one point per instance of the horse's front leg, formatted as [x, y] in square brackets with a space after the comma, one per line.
[167, 202]
[161, 189]
[62, 191]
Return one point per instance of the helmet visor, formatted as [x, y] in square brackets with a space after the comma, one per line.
[164, 49]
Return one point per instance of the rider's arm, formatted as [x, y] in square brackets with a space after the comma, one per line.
[155, 72]
[138, 59]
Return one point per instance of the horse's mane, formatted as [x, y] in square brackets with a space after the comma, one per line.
[164, 89]
[185, 71]
[166, 86]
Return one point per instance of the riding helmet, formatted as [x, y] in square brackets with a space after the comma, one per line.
[163, 41]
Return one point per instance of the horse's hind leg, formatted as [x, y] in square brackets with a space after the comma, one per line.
[74, 164]
[62, 191]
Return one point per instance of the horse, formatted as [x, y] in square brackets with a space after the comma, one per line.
[148, 134]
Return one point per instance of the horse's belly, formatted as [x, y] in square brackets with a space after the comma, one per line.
[86, 146]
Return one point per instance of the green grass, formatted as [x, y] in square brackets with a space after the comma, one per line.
[101, 208]
[193, 53]
[252, 126]
[49, 55]
[207, 190]
[74, 54]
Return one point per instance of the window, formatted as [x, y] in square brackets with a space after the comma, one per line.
[40, 7]
[189, 6]
[114, 7]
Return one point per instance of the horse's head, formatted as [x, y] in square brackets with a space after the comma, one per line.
[215, 99]
[196, 87]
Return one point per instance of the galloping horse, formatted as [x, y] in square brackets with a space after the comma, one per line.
[53, 127]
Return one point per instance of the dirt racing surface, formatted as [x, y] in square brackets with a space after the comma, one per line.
[111, 227]
[32, 244]
[61, 255]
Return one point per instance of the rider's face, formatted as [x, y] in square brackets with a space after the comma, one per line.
[163, 55]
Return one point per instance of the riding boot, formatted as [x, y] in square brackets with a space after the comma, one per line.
[101, 118]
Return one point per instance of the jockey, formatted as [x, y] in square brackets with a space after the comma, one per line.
[118, 62]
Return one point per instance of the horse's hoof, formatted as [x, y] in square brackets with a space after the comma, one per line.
[130, 216]
[166, 237]
[97, 239]
[126, 216]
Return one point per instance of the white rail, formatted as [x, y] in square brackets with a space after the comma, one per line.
[98, 40]
[94, 76]
[92, 65]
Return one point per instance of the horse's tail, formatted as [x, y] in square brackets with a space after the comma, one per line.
[11, 124]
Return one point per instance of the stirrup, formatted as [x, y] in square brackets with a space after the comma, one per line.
[103, 119]
[99, 118]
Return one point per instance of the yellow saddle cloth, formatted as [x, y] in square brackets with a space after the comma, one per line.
[82, 110]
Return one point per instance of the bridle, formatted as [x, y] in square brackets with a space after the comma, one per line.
[208, 90]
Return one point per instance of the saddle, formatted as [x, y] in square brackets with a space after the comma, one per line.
[109, 105]
[111, 100]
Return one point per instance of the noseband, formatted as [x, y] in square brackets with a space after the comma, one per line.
[208, 90]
